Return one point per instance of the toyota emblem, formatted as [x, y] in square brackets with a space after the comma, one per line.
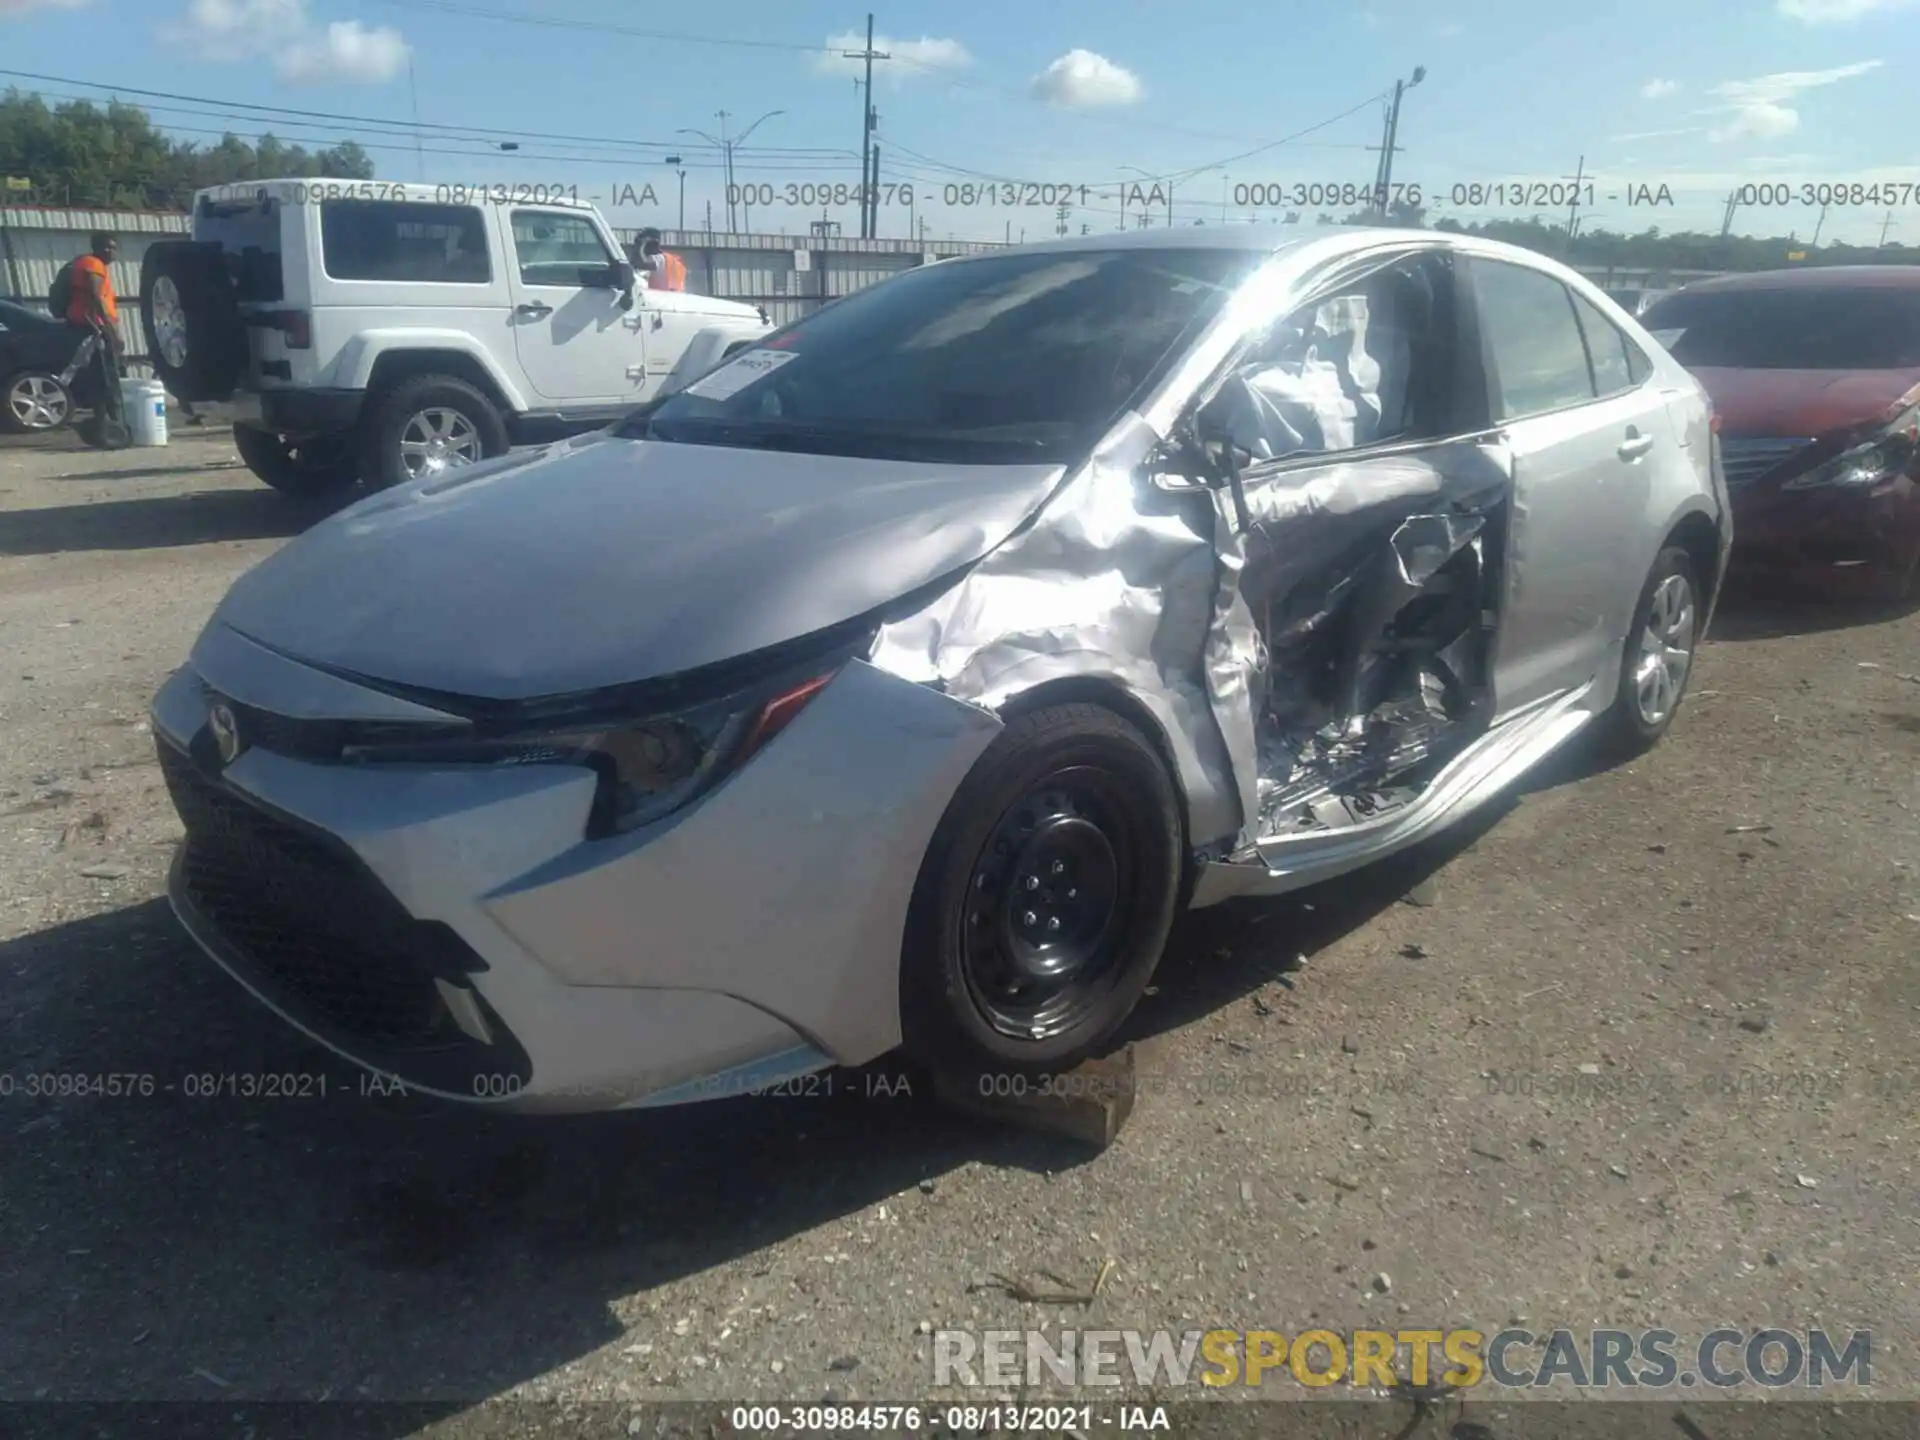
[226, 732]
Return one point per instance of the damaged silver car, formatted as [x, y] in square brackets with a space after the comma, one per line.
[898, 681]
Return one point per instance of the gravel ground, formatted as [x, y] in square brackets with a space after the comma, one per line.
[1633, 1060]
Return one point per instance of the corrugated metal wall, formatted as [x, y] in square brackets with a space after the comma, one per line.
[35, 243]
[789, 275]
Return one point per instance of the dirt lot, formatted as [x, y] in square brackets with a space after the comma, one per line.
[1637, 1060]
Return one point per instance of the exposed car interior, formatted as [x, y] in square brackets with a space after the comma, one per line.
[1372, 574]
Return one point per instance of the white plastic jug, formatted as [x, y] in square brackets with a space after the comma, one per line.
[145, 405]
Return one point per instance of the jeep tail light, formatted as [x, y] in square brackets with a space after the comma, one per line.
[297, 326]
[1713, 422]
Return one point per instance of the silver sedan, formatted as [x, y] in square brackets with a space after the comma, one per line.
[899, 680]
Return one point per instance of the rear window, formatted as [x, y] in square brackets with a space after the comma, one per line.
[1826, 329]
[399, 240]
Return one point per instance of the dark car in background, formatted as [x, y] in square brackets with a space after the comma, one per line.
[35, 350]
[1815, 375]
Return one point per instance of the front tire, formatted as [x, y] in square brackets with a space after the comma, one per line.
[1658, 656]
[33, 402]
[427, 425]
[1045, 899]
[317, 469]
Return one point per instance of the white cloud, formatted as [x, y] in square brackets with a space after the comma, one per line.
[1836, 12]
[1369, 19]
[345, 52]
[1658, 89]
[20, 7]
[911, 58]
[1082, 79]
[349, 53]
[1451, 29]
[1634, 135]
[1761, 107]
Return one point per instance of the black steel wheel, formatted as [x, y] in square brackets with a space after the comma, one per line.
[1046, 897]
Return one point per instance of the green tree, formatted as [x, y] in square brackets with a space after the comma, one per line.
[78, 153]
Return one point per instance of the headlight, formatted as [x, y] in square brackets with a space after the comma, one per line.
[648, 768]
[1887, 454]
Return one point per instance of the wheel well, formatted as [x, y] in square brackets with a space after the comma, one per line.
[1700, 538]
[397, 365]
[1092, 690]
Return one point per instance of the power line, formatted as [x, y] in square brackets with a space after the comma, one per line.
[229, 106]
[606, 27]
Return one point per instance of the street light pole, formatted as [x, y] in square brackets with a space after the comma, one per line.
[726, 147]
[674, 160]
[1400, 87]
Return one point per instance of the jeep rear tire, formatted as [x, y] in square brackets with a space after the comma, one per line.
[191, 317]
[427, 425]
[321, 468]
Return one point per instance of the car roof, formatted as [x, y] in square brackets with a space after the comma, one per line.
[1329, 239]
[1819, 277]
[417, 191]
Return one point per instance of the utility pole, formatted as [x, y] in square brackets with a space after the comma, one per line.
[873, 197]
[1885, 226]
[869, 55]
[1060, 218]
[1573, 209]
[726, 155]
[1818, 226]
[1726, 220]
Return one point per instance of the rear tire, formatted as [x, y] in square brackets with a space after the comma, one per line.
[33, 402]
[1658, 657]
[317, 469]
[427, 425]
[1045, 899]
[191, 316]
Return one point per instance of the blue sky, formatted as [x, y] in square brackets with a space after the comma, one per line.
[1699, 96]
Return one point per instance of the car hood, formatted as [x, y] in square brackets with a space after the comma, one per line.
[602, 561]
[1804, 402]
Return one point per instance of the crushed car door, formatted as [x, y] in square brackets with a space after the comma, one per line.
[1368, 516]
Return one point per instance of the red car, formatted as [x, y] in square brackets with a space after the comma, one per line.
[1815, 375]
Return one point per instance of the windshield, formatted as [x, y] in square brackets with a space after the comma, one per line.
[1000, 360]
[1860, 329]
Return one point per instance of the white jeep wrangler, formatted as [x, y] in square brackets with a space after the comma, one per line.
[380, 330]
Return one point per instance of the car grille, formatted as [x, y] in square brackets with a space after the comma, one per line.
[1747, 459]
[304, 911]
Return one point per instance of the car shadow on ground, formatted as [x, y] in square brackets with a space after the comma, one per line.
[426, 1251]
[1744, 616]
[157, 522]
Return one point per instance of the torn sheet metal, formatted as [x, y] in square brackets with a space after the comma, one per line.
[1332, 554]
[1114, 582]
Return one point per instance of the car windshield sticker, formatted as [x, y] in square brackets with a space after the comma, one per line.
[740, 372]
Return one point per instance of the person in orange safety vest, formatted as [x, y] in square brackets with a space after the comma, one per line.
[663, 269]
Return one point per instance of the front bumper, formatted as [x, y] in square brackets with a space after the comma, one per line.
[449, 927]
[1833, 541]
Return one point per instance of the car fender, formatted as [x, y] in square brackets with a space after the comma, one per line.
[706, 350]
[353, 367]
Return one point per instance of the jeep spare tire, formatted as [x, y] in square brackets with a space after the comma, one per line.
[191, 317]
